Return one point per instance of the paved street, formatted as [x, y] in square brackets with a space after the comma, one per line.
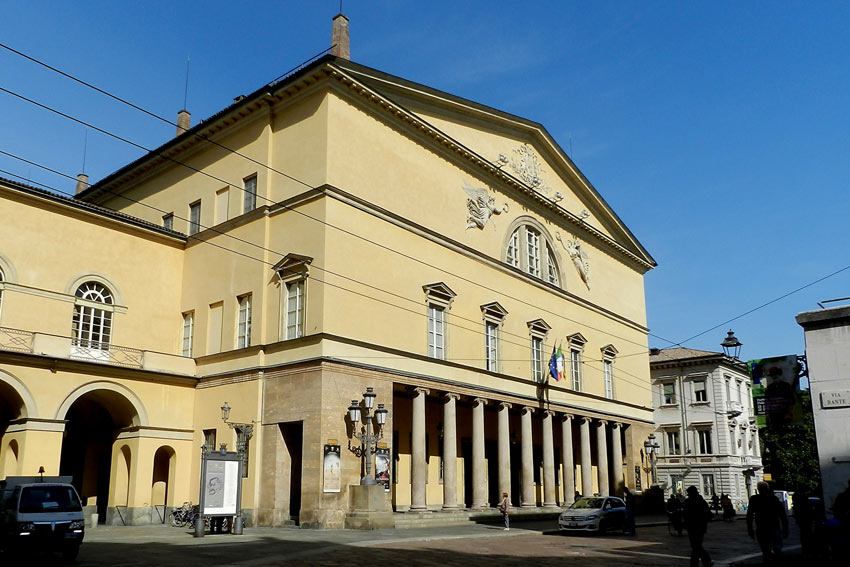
[530, 543]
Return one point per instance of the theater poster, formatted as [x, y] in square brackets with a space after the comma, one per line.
[382, 467]
[332, 476]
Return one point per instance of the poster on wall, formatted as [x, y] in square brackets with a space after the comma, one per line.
[332, 475]
[637, 479]
[221, 487]
[382, 467]
[776, 390]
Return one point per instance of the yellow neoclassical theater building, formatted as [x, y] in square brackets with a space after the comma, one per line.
[338, 230]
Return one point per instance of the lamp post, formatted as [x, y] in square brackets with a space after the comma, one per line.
[244, 432]
[731, 345]
[366, 437]
[651, 449]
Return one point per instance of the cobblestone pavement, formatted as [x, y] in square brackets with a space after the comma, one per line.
[530, 543]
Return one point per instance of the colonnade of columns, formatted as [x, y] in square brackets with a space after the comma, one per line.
[607, 474]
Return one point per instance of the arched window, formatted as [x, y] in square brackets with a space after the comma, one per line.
[530, 250]
[92, 324]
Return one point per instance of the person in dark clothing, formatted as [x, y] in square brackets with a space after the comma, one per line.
[674, 512]
[771, 523]
[629, 499]
[715, 503]
[804, 517]
[697, 514]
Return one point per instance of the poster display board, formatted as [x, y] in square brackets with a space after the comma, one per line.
[332, 477]
[382, 466]
[221, 484]
[776, 390]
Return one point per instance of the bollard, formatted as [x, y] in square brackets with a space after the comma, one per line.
[199, 526]
[237, 526]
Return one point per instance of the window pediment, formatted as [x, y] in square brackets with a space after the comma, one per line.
[538, 327]
[293, 266]
[494, 312]
[439, 293]
[609, 351]
[577, 340]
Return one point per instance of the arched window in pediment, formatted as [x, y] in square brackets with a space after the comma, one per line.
[530, 249]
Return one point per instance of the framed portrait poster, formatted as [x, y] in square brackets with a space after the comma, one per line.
[332, 476]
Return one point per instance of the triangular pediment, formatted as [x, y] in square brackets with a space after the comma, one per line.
[494, 310]
[439, 290]
[292, 264]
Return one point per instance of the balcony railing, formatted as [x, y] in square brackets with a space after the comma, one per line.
[734, 408]
[108, 354]
[42, 344]
[16, 340]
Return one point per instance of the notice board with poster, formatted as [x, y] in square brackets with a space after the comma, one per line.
[382, 466]
[221, 484]
[776, 390]
[331, 474]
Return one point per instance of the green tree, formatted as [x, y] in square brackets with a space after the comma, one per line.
[790, 452]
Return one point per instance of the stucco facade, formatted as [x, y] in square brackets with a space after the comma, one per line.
[827, 333]
[705, 423]
[338, 230]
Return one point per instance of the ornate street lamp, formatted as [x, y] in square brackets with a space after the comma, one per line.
[651, 449]
[368, 440]
[731, 345]
[244, 432]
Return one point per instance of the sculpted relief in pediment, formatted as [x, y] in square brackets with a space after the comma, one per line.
[529, 168]
[480, 206]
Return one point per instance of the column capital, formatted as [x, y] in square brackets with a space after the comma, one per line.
[548, 413]
[482, 401]
[421, 390]
[567, 416]
[602, 422]
[451, 396]
[616, 424]
[527, 409]
[505, 405]
[586, 419]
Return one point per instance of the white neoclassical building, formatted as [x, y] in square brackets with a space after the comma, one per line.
[704, 423]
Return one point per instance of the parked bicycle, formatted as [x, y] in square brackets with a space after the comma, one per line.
[184, 516]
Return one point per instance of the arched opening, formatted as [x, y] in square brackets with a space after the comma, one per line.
[9, 460]
[94, 421]
[11, 408]
[164, 465]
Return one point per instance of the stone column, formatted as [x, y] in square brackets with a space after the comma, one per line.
[504, 451]
[450, 453]
[602, 457]
[584, 463]
[418, 466]
[568, 461]
[479, 484]
[527, 479]
[617, 457]
[756, 444]
[550, 498]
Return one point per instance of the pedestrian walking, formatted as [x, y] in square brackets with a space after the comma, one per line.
[505, 509]
[771, 523]
[697, 514]
[715, 503]
[674, 513]
[629, 499]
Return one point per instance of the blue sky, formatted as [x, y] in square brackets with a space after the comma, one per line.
[719, 132]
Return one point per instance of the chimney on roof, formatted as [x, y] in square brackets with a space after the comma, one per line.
[184, 121]
[82, 183]
[340, 45]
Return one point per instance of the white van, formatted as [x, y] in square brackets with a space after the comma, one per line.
[40, 514]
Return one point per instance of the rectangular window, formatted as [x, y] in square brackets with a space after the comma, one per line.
[575, 368]
[295, 309]
[194, 218]
[669, 394]
[249, 202]
[537, 359]
[491, 340]
[532, 241]
[168, 221]
[188, 332]
[608, 371]
[243, 332]
[436, 331]
[700, 393]
[673, 443]
[222, 204]
[708, 489]
[704, 438]
[209, 439]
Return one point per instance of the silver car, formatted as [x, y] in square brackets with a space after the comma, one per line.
[594, 514]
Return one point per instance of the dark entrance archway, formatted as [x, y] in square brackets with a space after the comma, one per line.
[11, 408]
[94, 421]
